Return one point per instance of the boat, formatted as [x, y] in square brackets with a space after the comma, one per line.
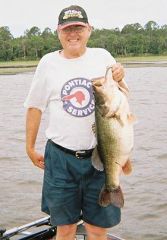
[42, 230]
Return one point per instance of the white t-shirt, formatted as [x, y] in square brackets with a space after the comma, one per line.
[64, 85]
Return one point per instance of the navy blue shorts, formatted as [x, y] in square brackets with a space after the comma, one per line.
[71, 188]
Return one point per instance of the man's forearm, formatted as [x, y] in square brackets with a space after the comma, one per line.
[33, 120]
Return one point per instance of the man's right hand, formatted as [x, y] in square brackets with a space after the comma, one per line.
[36, 158]
[32, 125]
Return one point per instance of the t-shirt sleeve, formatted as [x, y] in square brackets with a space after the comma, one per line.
[110, 60]
[38, 96]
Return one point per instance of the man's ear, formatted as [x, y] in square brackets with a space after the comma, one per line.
[57, 30]
[90, 30]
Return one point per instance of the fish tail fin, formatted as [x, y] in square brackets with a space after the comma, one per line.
[114, 197]
[127, 168]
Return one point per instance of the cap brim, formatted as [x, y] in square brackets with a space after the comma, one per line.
[62, 26]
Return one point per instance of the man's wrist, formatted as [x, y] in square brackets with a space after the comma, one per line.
[30, 150]
[120, 81]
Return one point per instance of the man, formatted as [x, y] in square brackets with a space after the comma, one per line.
[63, 83]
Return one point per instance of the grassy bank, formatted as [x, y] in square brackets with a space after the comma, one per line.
[18, 63]
[14, 67]
[142, 59]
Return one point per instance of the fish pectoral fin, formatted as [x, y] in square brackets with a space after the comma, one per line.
[114, 197]
[127, 168]
[119, 118]
[132, 118]
[122, 118]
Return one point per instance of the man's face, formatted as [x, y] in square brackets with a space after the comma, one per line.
[74, 38]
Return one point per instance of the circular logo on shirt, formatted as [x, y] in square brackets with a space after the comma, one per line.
[77, 97]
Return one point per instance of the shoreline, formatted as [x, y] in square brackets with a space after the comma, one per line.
[16, 70]
[144, 64]
[12, 68]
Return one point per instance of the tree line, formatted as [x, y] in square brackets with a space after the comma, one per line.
[132, 40]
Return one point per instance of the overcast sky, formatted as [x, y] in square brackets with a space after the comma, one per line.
[20, 15]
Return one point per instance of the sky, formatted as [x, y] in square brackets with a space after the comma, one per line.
[20, 15]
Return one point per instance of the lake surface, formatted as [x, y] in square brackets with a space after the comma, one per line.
[144, 215]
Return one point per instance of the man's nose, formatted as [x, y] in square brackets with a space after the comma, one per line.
[72, 32]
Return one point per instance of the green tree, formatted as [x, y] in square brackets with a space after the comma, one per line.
[132, 28]
[5, 44]
[34, 31]
[32, 43]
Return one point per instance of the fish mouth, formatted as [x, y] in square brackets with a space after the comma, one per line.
[98, 82]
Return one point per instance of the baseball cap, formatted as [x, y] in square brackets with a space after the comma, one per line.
[73, 15]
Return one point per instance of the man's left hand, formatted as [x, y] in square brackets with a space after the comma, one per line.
[118, 72]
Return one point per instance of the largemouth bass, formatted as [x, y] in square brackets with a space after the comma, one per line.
[114, 131]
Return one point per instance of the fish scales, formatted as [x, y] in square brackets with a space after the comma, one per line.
[108, 147]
